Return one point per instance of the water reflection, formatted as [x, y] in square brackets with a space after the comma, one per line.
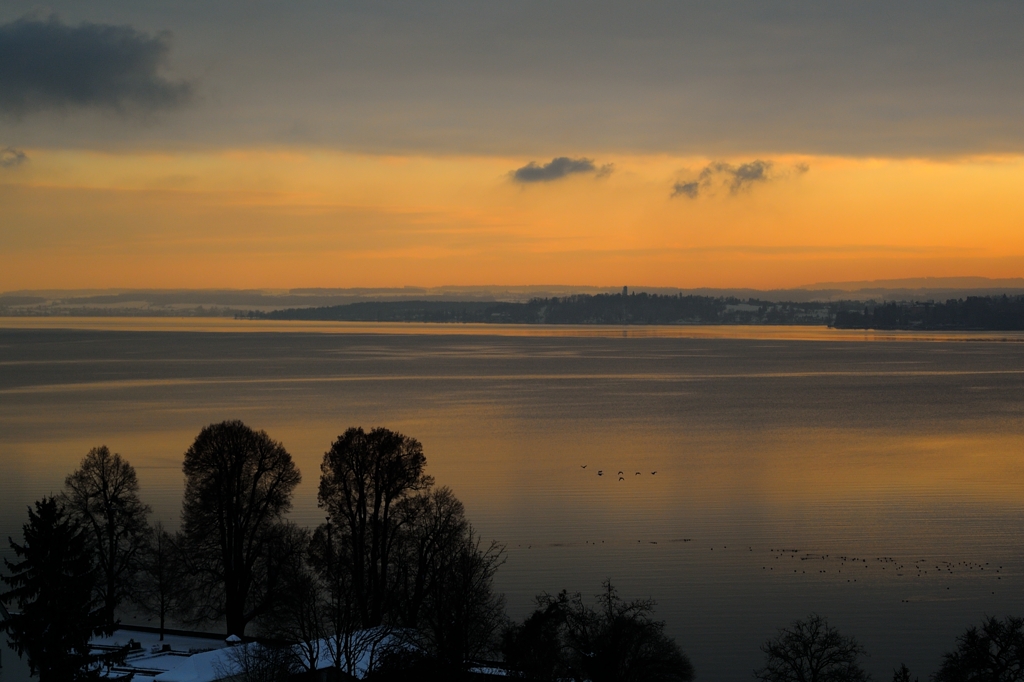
[779, 462]
[761, 332]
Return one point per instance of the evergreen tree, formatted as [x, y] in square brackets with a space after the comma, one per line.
[52, 585]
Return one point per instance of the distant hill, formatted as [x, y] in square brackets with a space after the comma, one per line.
[231, 302]
[964, 283]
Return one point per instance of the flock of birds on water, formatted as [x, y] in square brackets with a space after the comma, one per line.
[621, 474]
[918, 568]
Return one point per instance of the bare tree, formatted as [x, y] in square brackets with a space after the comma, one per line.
[433, 529]
[238, 487]
[902, 674]
[301, 612]
[995, 652]
[331, 561]
[536, 649]
[618, 641]
[811, 650]
[161, 576]
[365, 477]
[463, 617]
[446, 584]
[103, 494]
[255, 662]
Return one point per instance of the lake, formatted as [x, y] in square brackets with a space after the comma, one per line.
[877, 479]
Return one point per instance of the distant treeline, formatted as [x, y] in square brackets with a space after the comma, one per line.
[637, 308]
[996, 313]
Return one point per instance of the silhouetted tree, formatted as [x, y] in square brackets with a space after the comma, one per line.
[433, 527]
[238, 487]
[616, 642]
[992, 653]
[331, 561]
[160, 578]
[902, 674]
[398, 554]
[53, 585]
[536, 649]
[365, 477]
[811, 650]
[301, 613]
[401, 664]
[459, 615]
[103, 494]
[256, 662]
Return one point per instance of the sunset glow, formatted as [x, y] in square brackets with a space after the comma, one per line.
[303, 217]
[737, 145]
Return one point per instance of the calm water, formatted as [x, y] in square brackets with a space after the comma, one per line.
[879, 483]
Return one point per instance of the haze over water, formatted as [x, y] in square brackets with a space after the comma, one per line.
[798, 470]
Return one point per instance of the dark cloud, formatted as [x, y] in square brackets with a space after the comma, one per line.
[46, 64]
[559, 167]
[914, 79]
[11, 157]
[735, 178]
[686, 189]
[748, 173]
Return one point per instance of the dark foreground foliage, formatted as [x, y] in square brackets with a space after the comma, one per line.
[103, 496]
[237, 545]
[616, 641]
[52, 584]
[902, 674]
[811, 650]
[993, 652]
[397, 570]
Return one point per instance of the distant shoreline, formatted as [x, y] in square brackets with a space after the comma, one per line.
[581, 331]
[974, 313]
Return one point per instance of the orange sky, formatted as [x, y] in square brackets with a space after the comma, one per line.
[306, 217]
[281, 145]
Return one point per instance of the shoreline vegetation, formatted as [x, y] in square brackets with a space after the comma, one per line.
[939, 305]
[396, 567]
[974, 313]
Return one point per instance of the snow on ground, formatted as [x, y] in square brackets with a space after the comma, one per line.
[149, 658]
[185, 658]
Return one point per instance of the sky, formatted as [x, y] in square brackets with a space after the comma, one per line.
[346, 144]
